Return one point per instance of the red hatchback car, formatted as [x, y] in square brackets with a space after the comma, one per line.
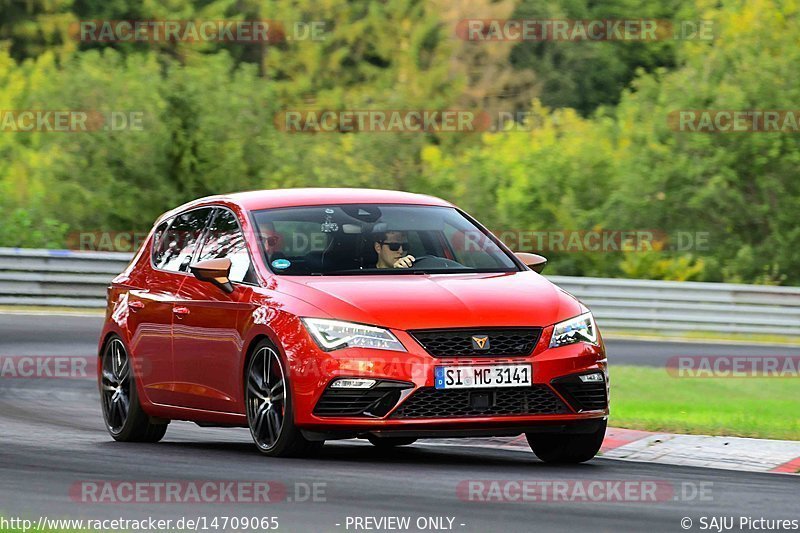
[316, 314]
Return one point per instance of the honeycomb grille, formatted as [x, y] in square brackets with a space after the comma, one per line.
[458, 342]
[432, 403]
[376, 401]
[583, 396]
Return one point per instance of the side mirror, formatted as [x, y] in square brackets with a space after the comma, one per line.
[533, 261]
[214, 271]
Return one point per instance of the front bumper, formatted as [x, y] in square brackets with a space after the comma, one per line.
[552, 404]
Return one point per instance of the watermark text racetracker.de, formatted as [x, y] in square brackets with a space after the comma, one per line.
[582, 241]
[561, 240]
[582, 490]
[198, 31]
[734, 366]
[69, 120]
[622, 29]
[47, 367]
[196, 492]
[149, 523]
[382, 121]
[735, 120]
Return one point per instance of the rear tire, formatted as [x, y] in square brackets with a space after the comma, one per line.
[570, 448]
[385, 443]
[124, 417]
[268, 402]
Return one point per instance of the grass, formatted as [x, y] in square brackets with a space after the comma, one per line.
[701, 336]
[52, 309]
[651, 399]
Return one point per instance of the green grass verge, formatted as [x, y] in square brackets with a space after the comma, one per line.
[700, 336]
[52, 309]
[651, 399]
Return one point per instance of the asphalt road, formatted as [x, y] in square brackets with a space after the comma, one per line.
[52, 440]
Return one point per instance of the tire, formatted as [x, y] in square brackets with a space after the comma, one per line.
[390, 442]
[567, 448]
[123, 415]
[268, 403]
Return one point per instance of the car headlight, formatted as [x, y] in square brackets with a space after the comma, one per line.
[334, 334]
[578, 329]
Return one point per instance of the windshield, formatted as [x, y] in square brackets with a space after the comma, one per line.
[376, 239]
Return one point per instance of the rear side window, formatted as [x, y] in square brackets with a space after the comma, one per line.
[225, 239]
[175, 253]
[160, 242]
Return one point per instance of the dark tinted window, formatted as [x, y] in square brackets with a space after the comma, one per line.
[181, 240]
[358, 239]
[159, 242]
[225, 239]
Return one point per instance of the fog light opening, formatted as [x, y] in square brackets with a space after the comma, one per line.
[351, 383]
[597, 377]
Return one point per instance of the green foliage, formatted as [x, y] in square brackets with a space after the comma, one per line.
[23, 229]
[626, 169]
[596, 153]
[587, 74]
[654, 264]
[31, 27]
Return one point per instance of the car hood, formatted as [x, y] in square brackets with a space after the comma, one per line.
[411, 301]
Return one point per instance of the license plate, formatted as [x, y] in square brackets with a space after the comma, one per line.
[482, 376]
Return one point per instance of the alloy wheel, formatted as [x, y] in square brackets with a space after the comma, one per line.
[266, 398]
[116, 385]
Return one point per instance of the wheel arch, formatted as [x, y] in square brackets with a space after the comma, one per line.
[255, 340]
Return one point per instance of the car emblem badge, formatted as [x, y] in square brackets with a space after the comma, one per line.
[480, 342]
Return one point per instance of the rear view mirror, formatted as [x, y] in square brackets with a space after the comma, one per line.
[352, 229]
[214, 271]
[535, 262]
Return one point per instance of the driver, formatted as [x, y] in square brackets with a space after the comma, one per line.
[392, 250]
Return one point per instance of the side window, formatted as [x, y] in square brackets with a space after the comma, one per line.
[159, 247]
[225, 239]
[181, 239]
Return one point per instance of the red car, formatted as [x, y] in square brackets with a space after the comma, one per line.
[317, 314]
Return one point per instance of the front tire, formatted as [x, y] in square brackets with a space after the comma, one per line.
[567, 448]
[268, 402]
[124, 417]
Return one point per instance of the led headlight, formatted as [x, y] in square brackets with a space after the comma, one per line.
[578, 329]
[334, 334]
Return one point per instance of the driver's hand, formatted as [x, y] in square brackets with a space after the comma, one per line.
[404, 262]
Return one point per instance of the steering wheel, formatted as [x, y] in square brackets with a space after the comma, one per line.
[434, 262]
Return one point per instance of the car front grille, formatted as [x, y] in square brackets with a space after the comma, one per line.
[582, 396]
[373, 402]
[459, 342]
[428, 402]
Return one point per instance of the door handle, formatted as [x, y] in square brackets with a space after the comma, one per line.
[180, 311]
[135, 305]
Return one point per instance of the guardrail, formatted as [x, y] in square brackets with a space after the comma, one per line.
[61, 278]
[687, 305]
[79, 279]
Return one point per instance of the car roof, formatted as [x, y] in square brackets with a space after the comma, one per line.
[272, 198]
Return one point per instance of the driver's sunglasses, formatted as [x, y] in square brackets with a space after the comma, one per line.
[395, 246]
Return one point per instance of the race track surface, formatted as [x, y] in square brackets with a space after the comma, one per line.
[53, 440]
